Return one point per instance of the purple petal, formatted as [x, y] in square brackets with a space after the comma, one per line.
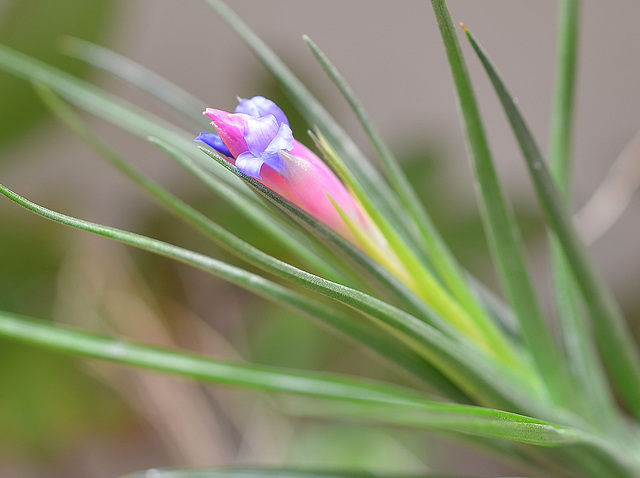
[259, 132]
[259, 106]
[273, 160]
[249, 164]
[213, 140]
[282, 140]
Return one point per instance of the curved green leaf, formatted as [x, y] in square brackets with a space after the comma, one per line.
[269, 224]
[384, 402]
[67, 340]
[137, 75]
[500, 227]
[439, 253]
[381, 344]
[264, 473]
[350, 253]
[111, 108]
[464, 365]
[446, 417]
[616, 343]
[480, 329]
[580, 346]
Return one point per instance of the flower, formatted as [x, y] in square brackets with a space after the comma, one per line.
[258, 140]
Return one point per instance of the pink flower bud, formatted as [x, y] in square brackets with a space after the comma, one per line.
[261, 145]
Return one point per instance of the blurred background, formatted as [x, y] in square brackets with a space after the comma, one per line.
[61, 417]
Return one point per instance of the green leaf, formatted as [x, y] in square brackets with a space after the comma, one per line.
[137, 75]
[263, 473]
[615, 340]
[580, 347]
[34, 26]
[270, 224]
[439, 253]
[267, 289]
[104, 105]
[322, 262]
[316, 114]
[142, 124]
[500, 227]
[354, 256]
[378, 400]
[67, 340]
[446, 417]
[470, 370]
[481, 331]
[563, 101]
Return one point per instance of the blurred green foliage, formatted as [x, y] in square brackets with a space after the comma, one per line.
[35, 27]
[46, 404]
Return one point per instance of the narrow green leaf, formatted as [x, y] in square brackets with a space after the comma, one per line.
[449, 417]
[439, 253]
[263, 473]
[317, 115]
[112, 109]
[268, 223]
[484, 334]
[137, 75]
[326, 314]
[566, 68]
[320, 258]
[384, 346]
[580, 346]
[615, 340]
[260, 473]
[471, 371]
[271, 379]
[340, 245]
[142, 124]
[500, 227]
[379, 400]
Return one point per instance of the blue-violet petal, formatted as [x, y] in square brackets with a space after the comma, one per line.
[259, 132]
[213, 140]
[259, 106]
[249, 164]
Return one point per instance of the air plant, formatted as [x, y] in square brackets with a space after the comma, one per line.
[375, 269]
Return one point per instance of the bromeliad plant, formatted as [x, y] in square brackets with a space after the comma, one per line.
[367, 243]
